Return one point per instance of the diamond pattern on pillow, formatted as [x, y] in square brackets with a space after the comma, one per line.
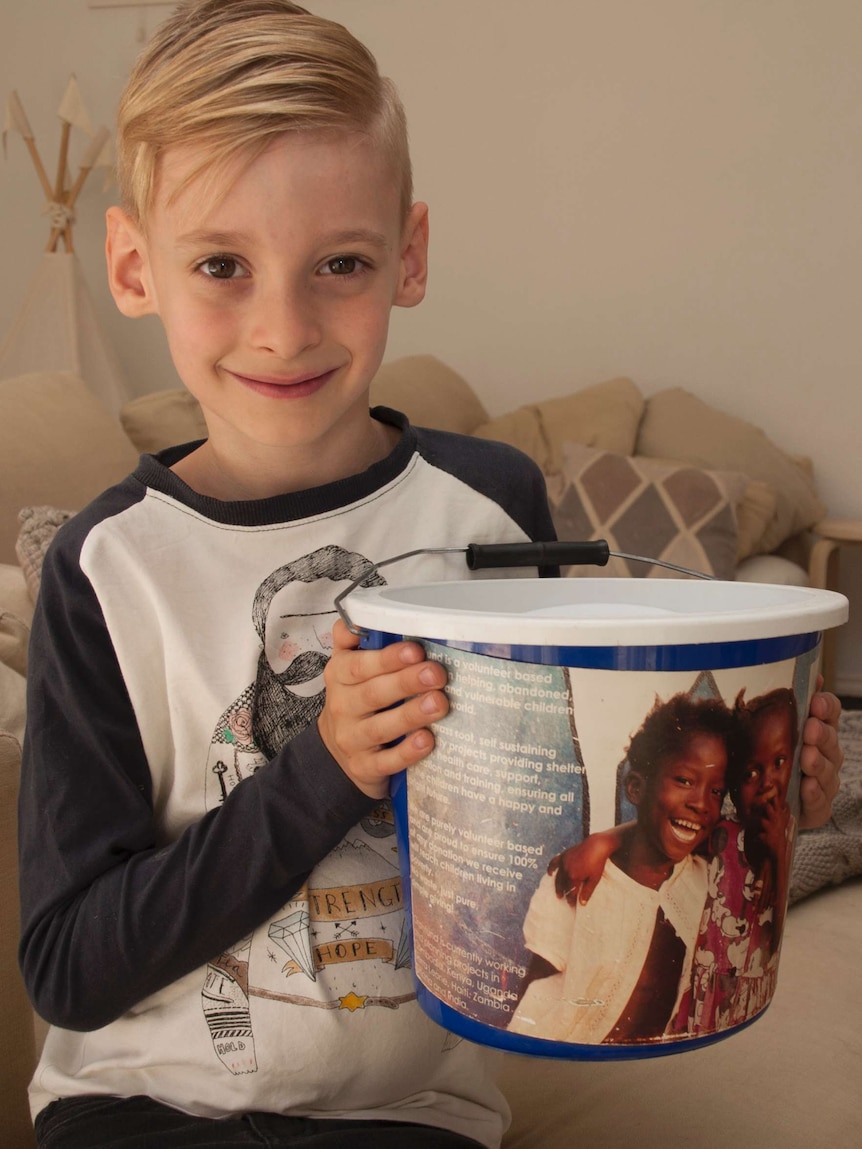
[673, 512]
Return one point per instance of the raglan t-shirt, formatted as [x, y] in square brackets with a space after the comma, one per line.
[212, 912]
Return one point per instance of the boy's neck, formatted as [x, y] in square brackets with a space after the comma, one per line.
[234, 472]
[639, 862]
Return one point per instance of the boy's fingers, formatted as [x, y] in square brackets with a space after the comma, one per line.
[410, 750]
[826, 707]
[588, 885]
[343, 637]
[376, 763]
[402, 721]
[351, 666]
[816, 804]
[394, 690]
[821, 750]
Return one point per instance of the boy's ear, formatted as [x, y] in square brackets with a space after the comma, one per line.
[128, 266]
[413, 272]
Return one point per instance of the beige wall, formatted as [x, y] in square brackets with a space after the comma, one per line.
[661, 188]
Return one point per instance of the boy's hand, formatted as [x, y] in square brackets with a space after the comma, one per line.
[579, 868]
[374, 698]
[821, 760]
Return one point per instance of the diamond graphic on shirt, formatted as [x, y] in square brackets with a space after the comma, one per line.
[291, 933]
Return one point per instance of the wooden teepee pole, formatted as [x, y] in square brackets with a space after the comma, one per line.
[60, 182]
[22, 126]
[89, 160]
[60, 198]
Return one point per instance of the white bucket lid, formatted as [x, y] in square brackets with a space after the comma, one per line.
[596, 612]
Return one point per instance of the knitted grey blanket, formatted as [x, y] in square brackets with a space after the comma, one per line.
[833, 853]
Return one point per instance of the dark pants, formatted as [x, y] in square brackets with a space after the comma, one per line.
[141, 1123]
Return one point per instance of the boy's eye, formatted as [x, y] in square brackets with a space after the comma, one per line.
[342, 265]
[222, 267]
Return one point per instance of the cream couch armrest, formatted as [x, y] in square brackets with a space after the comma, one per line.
[772, 569]
[14, 596]
[19, 1058]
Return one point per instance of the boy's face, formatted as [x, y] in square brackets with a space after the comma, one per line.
[276, 296]
[679, 806]
[767, 776]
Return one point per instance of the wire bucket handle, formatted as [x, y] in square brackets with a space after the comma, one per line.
[486, 556]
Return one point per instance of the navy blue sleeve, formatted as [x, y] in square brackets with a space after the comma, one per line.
[501, 473]
[109, 914]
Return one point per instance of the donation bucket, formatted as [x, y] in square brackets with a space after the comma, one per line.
[596, 855]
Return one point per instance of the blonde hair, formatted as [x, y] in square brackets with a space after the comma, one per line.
[229, 76]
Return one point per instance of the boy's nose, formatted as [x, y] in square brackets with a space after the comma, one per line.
[283, 322]
[699, 798]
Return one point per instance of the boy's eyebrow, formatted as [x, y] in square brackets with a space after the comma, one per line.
[238, 239]
[358, 235]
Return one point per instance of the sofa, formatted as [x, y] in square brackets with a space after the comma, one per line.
[667, 477]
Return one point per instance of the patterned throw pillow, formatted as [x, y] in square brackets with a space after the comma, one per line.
[674, 512]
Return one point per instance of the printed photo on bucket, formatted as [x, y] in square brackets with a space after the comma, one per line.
[601, 858]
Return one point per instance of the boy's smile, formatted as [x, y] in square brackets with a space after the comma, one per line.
[682, 804]
[275, 295]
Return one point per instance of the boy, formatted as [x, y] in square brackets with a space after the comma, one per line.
[615, 970]
[218, 907]
[212, 916]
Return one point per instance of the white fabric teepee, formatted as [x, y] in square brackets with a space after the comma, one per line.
[56, 329]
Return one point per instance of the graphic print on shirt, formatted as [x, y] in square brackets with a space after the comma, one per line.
[338, 941]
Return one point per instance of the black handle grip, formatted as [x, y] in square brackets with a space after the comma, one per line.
[483, 556]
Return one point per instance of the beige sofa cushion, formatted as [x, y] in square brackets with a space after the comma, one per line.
[429, 393]
[605, 415]
[163, 419]
[678, 425]
[670, 511]
[60, 446]
[754, 514]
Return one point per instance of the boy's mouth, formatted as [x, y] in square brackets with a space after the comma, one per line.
[685, 831]
[276, 387]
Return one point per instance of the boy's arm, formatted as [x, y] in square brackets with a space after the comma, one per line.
[579, 869]
[111, 914]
